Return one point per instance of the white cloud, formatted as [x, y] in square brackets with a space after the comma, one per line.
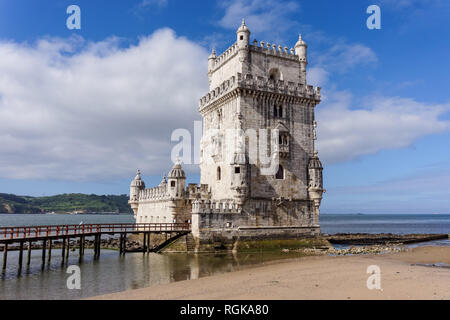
[380, 123]
[317, 76]
[144, 6]
[339, 58]
[265, 17]
[343, 57]
[407, 4]
[148, 3]
[75, 110]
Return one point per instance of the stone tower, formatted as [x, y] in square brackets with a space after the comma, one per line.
[261, 177]
[257, 149]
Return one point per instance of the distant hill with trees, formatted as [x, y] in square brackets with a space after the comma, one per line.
[65, 203]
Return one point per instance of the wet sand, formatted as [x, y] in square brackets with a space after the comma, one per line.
[319, 277]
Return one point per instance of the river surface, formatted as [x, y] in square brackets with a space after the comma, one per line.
[113, 273]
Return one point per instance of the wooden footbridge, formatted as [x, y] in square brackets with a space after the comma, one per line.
[46, 235]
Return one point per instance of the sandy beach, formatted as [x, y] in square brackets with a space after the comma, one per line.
[318, 277]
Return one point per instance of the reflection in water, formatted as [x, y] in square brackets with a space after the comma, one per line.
[113, 273]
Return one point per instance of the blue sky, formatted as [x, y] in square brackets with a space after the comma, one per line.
[81, 109]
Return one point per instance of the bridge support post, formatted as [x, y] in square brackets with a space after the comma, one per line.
[44, 247]
[99, 245]
[95, 247]
[124, 243]
[148, 242]
[68, 249]
[97, 240]
[5, 255]
[63, 250]
[29, 253]
[50, 244]
[144, 243]
[80, 249]
[20, 255]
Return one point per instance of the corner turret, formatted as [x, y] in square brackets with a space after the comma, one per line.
[243, 35]
[240, 170]
[211, 61]
[243, 42]
[135, 187]
[301, 51]
[176, 180]
[315, 185]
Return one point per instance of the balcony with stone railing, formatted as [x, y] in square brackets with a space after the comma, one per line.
[156, 193]
[210, 207]
[248, 81]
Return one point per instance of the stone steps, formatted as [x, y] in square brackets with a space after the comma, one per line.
[190, 243]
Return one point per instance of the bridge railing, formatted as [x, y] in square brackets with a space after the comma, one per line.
[24, 232]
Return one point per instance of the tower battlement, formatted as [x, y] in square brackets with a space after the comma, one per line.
[274, 50]
[155, 193]
[217, 62]
[208, 206]
[260, 83]
[262, 47]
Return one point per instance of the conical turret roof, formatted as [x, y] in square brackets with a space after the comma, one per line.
[138, 182]
[314, 162]
[243, 27]
[177, 171]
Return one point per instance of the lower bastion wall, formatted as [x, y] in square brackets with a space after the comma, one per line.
[226, 224]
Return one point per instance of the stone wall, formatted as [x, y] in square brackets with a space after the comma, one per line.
[256, 220]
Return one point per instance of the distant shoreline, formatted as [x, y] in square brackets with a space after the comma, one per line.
[64, 203]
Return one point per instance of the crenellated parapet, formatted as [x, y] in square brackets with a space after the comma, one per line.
[226, 87]
[261, 47]
[193, 191]
[210, 207]
[259, 83]
[155, 193]
[290, 88]
[274, 50]
[224, 57]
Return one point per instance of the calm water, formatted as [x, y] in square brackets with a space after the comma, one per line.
[114, 273]
[384, 223]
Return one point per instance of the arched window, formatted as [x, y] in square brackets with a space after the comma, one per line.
[280, 111]
[275, 74]
[280, 173]
[219, 173]
[275, 113]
